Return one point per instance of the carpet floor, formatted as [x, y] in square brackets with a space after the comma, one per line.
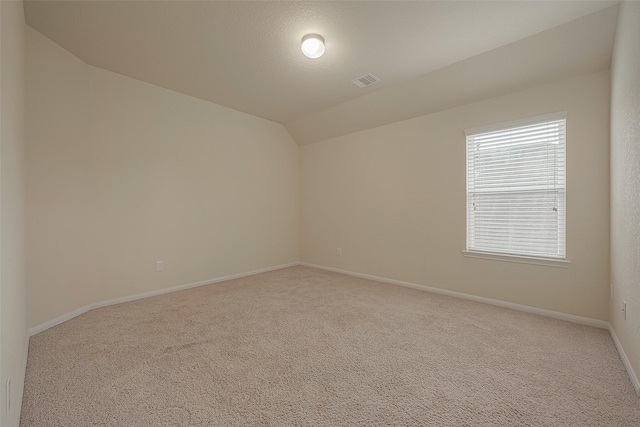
[306, 347]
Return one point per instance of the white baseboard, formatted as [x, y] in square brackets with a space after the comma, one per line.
[67, 316]
[540, 311]
[548, 313]
[20, 391]
[625, 361]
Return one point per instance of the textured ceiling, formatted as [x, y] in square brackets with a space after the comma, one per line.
[246, 55]
[578, 47]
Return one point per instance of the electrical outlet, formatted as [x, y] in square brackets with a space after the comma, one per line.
[339, 253]
[624, 310]
[159, 265]
[8, 396]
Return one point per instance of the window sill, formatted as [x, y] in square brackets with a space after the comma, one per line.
[549, 262]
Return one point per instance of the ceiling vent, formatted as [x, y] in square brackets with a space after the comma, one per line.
[365, 80]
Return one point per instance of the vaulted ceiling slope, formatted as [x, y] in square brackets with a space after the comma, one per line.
[246, 55]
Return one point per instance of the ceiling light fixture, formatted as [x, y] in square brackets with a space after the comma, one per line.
[312, 46]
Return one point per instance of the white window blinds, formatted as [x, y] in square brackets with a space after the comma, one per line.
[516, 188]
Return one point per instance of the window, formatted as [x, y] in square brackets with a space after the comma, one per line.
[516, 188]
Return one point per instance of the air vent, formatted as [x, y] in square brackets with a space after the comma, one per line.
[366, 80]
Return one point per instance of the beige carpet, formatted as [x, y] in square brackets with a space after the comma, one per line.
[306, 347]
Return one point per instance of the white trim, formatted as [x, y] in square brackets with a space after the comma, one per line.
[625, 361]
[542, 312]
[60, 319]
[20, 394]
[67, 316]
[525, 308]
[495, 181]
[528, 309]
[550, 262]
[559, 115]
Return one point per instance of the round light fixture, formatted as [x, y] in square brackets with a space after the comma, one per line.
[312, 46]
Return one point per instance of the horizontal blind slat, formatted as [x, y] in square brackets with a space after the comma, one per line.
[515, 190]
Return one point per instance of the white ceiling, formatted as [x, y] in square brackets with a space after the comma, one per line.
[246, 55]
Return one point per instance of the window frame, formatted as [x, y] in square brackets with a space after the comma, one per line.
[505, 256]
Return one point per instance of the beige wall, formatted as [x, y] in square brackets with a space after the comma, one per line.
[13, 306]
[625, 181]
[393, 198]
[61, 259]
[123, 173]
[207, 189]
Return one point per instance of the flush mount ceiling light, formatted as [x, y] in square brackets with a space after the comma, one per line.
[312, 46]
